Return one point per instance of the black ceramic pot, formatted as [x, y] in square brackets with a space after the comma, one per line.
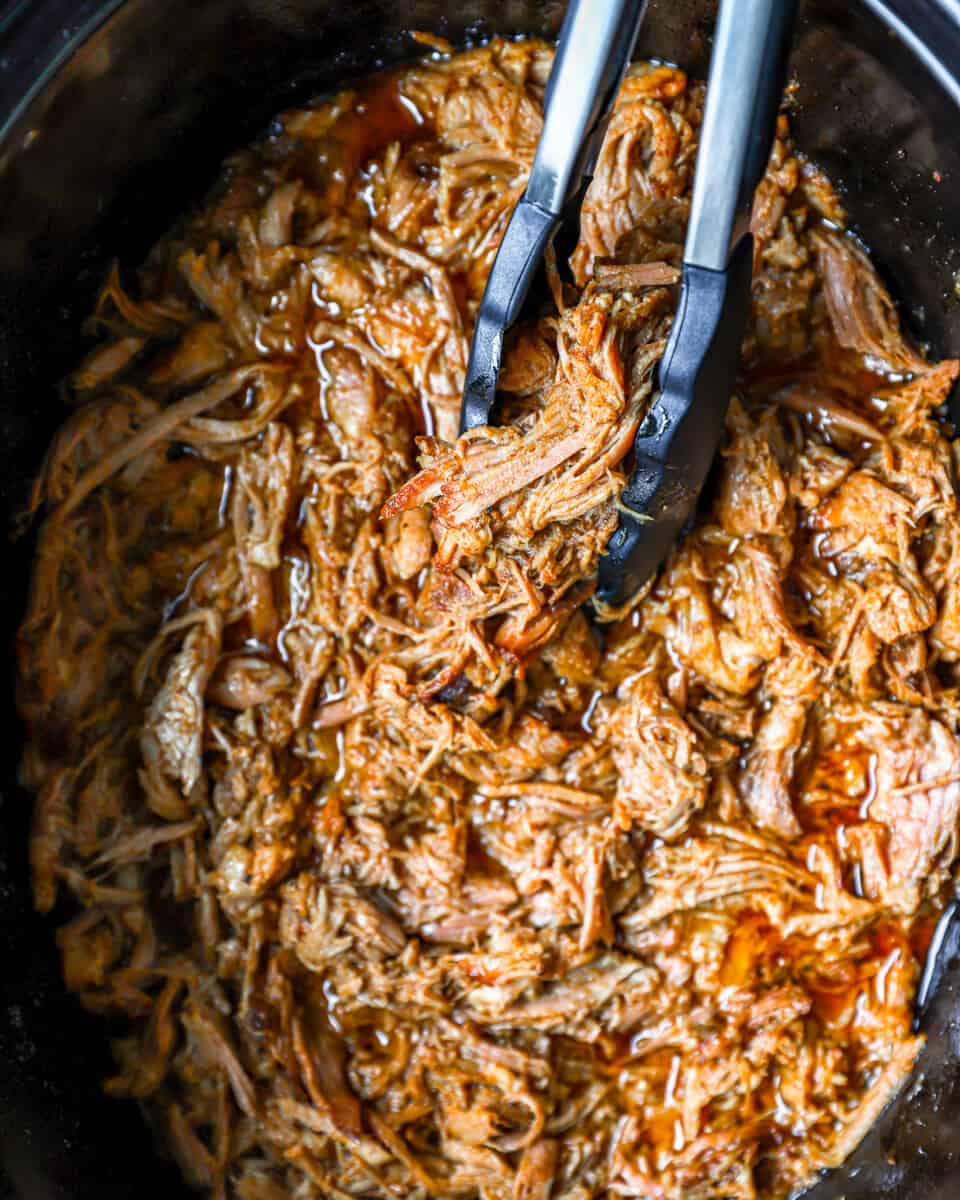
[113, 117]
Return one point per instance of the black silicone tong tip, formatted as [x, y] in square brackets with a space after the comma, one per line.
[675, 444]
[518, 260]
[678, 438]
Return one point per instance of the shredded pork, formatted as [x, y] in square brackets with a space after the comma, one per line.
[403, 877]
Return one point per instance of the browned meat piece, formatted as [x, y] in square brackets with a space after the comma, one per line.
[263, 483]
[625, 276]
[898, 769]
[201, 352]
[261, 498]
[342, 279]
[535, 1174]
[768, 771]
[765, 615]
[585, 427]
[753, 495]
[662, 772]
[645, 157]
[865, 516]
[917, 789]
[922, 470]
[946, 632]
[898, 602]
[681, 611]
[216, 1047]
[584, 991]
[320, 1059]
[910, 405]
[409, 543]
[259, 809]
[891, 1079]
[861, 311]
[827, 413]
[531, 362]
[484, 899]
[243, 681]
[172, 739]
[219, 287]
[319, 922]
[106, 362]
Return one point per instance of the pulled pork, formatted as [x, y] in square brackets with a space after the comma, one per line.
[405, 879]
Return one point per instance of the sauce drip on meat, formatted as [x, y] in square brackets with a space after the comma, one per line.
[407, 880]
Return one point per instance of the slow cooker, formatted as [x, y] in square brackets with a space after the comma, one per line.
[113, 118]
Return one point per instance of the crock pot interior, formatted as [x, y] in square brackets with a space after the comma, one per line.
[118, 137]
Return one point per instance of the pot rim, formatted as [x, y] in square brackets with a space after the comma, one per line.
[931, 30]
[37, 38]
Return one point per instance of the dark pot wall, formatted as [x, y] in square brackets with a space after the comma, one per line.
[121, 132]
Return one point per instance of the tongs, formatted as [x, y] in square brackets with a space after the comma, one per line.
[679, 435]
[594, 48]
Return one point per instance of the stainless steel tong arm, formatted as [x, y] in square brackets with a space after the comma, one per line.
[747, 70]
[596, 42]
